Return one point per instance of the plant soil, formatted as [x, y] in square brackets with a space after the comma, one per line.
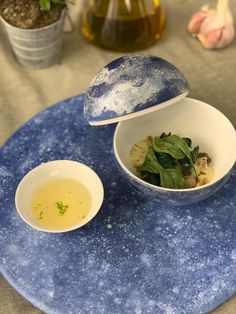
[27, 13]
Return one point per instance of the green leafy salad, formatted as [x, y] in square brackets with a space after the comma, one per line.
[170, 161]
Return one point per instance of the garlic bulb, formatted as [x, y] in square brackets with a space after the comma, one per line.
[213, 27]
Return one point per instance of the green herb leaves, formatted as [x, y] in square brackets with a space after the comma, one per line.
[169, 178]
[47, 4]
[40, 215]
[61, 208]
[161, 145]
[150, 163]
[167, 160]
[172, 178]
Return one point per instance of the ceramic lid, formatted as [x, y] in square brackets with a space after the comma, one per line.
[131, 86]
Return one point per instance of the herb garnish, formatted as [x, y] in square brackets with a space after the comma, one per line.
[169, 161]
[61, 208]
[40, 215]
[169, 178]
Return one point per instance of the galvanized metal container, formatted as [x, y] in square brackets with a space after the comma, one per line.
[37, 48]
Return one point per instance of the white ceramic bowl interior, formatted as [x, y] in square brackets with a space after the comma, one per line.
[55, 170]
[205, 125]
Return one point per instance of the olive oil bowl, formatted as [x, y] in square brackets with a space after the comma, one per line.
[59, 196]
[206, 126]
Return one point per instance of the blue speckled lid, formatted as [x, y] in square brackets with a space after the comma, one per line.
[132, 86]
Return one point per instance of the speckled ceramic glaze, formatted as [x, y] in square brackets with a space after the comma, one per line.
[175, 197]
[137, 255]
[132, 84]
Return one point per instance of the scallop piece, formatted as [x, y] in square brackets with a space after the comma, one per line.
[139, 151]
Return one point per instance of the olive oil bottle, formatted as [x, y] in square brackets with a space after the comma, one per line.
[122, 25]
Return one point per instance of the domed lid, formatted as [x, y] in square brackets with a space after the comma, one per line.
[131, 86]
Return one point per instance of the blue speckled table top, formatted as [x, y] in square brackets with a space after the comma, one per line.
[136, 256]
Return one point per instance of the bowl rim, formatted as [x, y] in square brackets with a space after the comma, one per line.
[159, 188]
[137, 114]
[66, 163]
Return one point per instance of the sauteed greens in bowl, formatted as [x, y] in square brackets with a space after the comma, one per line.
[182, 167]
[170, 161]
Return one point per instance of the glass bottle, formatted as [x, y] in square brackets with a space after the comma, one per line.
[122, 25]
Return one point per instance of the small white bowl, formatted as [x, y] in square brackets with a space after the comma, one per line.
[205, 125]
[57, 169]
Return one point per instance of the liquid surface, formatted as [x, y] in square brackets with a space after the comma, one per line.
[61, 203]
[120, 26]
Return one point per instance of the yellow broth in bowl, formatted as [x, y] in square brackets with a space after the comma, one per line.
[61, 203]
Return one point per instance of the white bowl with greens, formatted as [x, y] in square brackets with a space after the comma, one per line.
[182, 153]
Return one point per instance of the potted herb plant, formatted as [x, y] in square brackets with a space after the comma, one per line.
[34, 28]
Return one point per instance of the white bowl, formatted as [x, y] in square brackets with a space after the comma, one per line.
[57, 169]
[204, 124]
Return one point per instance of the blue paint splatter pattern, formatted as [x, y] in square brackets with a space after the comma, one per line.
[137, 255]
[130, 84]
